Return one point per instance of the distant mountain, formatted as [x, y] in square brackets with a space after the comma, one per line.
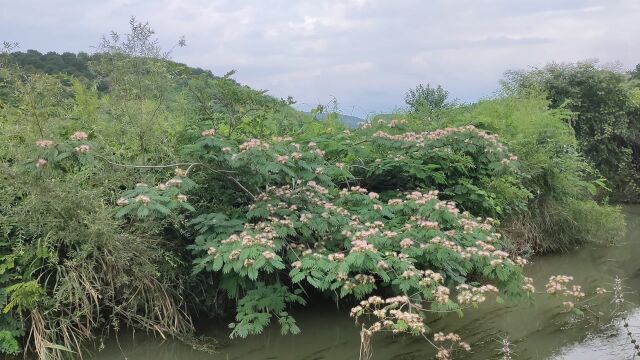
[348, 120]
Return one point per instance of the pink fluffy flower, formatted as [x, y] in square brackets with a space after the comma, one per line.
[79, 136]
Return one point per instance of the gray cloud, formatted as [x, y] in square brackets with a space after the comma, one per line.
[366, 53]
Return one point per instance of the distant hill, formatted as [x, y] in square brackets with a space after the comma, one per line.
[33, 61]
[348, 120]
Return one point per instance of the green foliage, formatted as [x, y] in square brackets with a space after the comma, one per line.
[68, 269]
[8, 342]
[22, 296]
[551, 169]
[294, 226]
[425, 99]
[33, 61]
[239, 111]
[606, 121]
[257, 307]
[460, 162]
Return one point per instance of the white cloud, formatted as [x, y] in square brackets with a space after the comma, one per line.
[367, 53]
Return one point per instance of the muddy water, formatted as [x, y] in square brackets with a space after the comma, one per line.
[540, 331]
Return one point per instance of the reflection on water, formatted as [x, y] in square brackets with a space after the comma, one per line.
[537, 332]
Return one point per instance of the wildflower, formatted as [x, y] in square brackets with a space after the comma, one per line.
[600, 291]
[311, 145]
[145, 200]
[79, 136]
[296, 264]
[83, 149]
[45, 143]
[141, 185]
[174, 182]
[253, 143]
[528, 285]
[234, 255]
[362, 245]
[211, 251]
[226, 149]
[340, 165]
[248, 262]
[41, 163]
[122, 202]
[282, 159]
[373, 195]
[356, 310]
[521, 261]
[407, 274]
[576, 291]
[336, 257]
[340, 276]
[568, 305]
[365, 279]
[443, 354]
[180, 172]
[268, 255]
[557, 283]
[182, 197]
[496, 262]
[405, 243]
[209, 133]
[161, 186]
[441, 295]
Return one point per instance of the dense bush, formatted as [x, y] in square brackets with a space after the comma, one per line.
[606, 117]
[293, 228]
[69, 268]
[560, 184]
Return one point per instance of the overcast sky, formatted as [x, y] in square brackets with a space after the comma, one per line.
[366, 53]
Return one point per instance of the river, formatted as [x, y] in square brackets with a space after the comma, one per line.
[539, 331]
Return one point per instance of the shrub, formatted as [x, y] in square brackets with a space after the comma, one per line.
[290, 226]
[605, 116]
[561, 183]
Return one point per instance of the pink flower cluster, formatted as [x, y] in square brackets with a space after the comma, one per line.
[253, 144]
[143, 199]
[45, 143]
[40, 163]
[421, 138]
[558, 283]
[388, 313]
[83, 149]
[468, 294]
[208, 133]
[454, 340]
[79, 136]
